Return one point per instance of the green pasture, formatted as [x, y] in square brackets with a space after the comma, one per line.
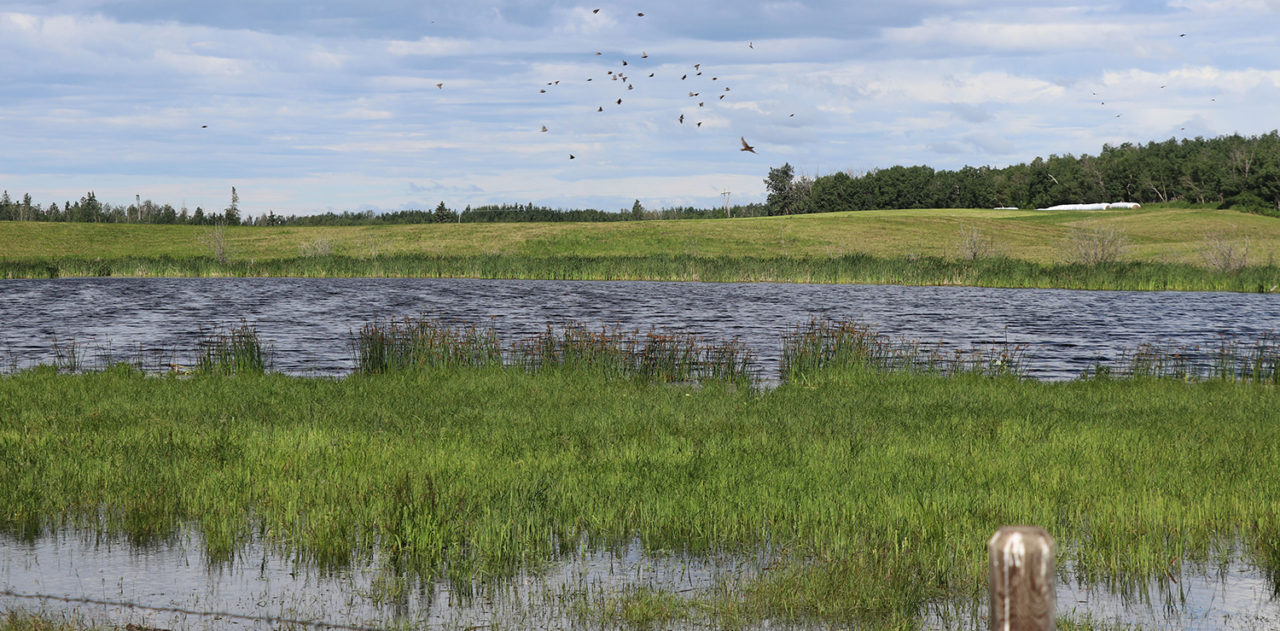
[1154, 235]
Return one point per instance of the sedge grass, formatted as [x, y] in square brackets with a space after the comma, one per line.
[875, 492]
[1000, 271]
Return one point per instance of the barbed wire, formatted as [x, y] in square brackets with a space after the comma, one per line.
[317, 624]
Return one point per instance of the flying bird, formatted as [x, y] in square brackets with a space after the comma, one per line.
[600, 109]
[751, 45]
[639, 15]
[595, 10]
[697, 66]
[571, 156]
[693, 94]
[792, 116]
[624, 62]
[745, 146]
[542, 91]
[682, 77]
[650, 75]
[644, 55]
[544, 128]
[619, 101]
[204, 127]
[440, 86]
[700, 103]
[699, 123]
[721, 97]
[682, 119]
[1182, 35]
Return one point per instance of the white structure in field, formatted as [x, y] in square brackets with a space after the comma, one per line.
[1104, 206]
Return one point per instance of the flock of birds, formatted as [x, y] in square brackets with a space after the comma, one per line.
[700, 82]
[1104, 103]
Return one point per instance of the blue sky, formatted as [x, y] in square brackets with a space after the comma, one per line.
[334, 105]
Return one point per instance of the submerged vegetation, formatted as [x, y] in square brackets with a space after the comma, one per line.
[869, 479]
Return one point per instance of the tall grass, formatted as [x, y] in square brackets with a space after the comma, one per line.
[1231, 360]
[992, 271]
[843, 345]
[423, 342]
[231, 350]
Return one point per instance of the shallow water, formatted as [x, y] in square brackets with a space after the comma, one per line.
[172, 586]
[309, 323]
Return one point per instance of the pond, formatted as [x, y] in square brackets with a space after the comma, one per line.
[309, 323]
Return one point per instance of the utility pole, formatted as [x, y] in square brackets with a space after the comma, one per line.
[725, 195]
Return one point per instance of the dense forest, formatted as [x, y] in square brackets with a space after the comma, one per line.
[1228, 171]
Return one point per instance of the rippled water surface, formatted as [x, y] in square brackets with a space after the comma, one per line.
[309, 322]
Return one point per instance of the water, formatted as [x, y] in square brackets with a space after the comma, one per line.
[309, 323]
[172, 586]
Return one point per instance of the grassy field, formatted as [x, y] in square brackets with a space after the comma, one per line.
[916, 246]
[874, 492]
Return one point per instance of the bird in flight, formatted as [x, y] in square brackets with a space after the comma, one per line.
[595, 10]
[619, 101]
[440, 86]
[204, 127]
[682, 119]
[571, 156]
[544, 128]
[639, 15]
[745, 146]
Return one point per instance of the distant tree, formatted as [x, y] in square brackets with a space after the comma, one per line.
[197, 218]
[233, 211]
[443, 214]
[778, 184]
[637, 210]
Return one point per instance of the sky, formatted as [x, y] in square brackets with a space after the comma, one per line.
[344, 105]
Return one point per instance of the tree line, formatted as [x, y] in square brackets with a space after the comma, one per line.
[1229, 171]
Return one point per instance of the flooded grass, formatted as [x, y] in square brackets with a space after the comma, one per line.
[997, 271]
[874, 490]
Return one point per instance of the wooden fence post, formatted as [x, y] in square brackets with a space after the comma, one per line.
[1022, 579]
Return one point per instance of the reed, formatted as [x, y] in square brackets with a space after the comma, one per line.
[1231, 360]
[845, 345]
[996, 271]
[231, 350]
[415, 343]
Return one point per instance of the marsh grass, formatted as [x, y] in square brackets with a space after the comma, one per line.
[874, 492]
[231, 350]
[426, 343]
[992, 271]
[1232, 359]
[843, 345]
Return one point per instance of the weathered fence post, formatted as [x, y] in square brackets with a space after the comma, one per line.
[1022, 579]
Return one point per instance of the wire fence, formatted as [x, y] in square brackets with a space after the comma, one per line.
[217, 615]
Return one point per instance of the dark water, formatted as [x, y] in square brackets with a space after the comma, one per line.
[309, 322]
